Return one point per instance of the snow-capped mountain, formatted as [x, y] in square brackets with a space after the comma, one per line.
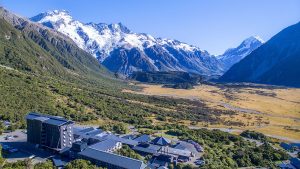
[234, 55]
[124, 51]
[276, 62]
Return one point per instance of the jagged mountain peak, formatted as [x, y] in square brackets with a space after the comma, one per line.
[246, 44]
[253, 39]
[250, 43]
[124, 51]
[234, 55]
[56, 12]
[53, 16]
[114, 27]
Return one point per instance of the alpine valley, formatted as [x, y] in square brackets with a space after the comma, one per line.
[233, 110]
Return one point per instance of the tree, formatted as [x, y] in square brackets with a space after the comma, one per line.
[119, 128]
[2, 160]
[11, 127]
[16, 165]
[128, 152]
[28, 163]
[161, 118]
[171, 166]
[1, 128]
[46, 165]
[80, 164]
[188, 166]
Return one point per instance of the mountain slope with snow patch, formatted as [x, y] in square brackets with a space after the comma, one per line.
[234, 55]
[123, 51]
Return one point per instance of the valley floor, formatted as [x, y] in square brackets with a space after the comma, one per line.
[274, 111]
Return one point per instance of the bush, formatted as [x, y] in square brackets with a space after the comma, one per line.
[161, 118]
[128, 152]
[80, 164]
[254, 135]
[119, 128]
[45, 165]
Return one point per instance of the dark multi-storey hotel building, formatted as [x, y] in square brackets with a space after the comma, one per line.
[49, 131]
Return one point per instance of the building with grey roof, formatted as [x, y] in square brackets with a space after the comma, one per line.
[295, 162]
[183, 145]
[146, 149]
[129, 142]
[86, 133]
[143, 138]
[49, 131]
[107, 145]
[176, 152]
[110, 160]
[79, 146]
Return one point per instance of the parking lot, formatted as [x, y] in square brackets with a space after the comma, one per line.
[16, 148]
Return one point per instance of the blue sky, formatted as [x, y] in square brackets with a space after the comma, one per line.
[213, 25]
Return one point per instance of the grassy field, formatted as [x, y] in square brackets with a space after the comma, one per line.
[273, 111]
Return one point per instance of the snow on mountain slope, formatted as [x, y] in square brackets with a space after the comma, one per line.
[123, 51]
[234, 55]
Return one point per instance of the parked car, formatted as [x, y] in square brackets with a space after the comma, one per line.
[31, 157]
[9, 137]
[200, 162]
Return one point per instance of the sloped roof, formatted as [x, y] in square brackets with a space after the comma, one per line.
[161, 141]
[53, 120]
[104, 145]
[174, 151]
[150, 148]
[116, 138]
[181, 147]
[295, 162]
[87, 133]
[58, 162]
[143, 138]
[113, 159]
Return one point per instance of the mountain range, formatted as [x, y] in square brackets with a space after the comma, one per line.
[62, 47]
[276, 62]
[123, 51]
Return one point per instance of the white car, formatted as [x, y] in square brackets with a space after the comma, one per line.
[31, 157]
